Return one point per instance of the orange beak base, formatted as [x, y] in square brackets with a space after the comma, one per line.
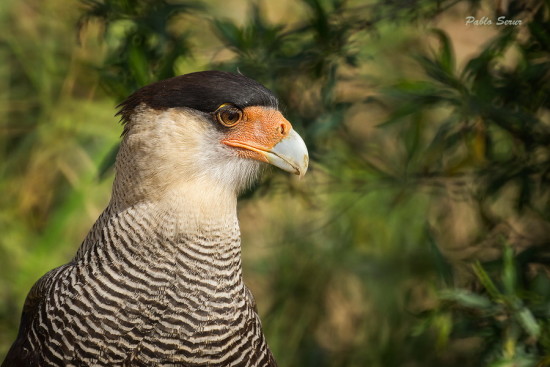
[265, 135]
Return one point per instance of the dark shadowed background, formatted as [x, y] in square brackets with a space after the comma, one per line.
[419, 237]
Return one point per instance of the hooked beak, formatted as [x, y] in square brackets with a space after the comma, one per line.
[290, 154]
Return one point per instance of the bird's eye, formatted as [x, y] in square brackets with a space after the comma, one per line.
[228, 115]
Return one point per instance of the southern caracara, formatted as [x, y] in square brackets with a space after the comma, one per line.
[158, 281]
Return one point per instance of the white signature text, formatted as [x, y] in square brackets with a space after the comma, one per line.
[471, 20]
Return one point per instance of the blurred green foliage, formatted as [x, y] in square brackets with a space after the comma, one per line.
[418, 238]
[142, 45]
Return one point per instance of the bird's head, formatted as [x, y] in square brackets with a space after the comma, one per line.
[210, 128]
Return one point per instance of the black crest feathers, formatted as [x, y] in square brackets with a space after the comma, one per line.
[204, 91]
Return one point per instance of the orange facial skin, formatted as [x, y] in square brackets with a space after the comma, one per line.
[259, 130]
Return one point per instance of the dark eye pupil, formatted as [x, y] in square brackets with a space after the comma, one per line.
[231, 116]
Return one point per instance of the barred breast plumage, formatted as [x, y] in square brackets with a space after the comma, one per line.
[158, 279]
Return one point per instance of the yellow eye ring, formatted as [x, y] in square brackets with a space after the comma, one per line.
[229, 115]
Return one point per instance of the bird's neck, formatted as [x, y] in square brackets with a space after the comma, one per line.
[189, 228]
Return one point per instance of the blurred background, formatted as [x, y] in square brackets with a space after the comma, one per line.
[419, 237]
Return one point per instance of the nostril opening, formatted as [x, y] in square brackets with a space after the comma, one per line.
[282, 129]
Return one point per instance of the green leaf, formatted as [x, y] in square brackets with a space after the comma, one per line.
[138, 63]
[509, 276]
[486, 281]
[229, 33]
[466, 299]
[446, 56]
[528, 322]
